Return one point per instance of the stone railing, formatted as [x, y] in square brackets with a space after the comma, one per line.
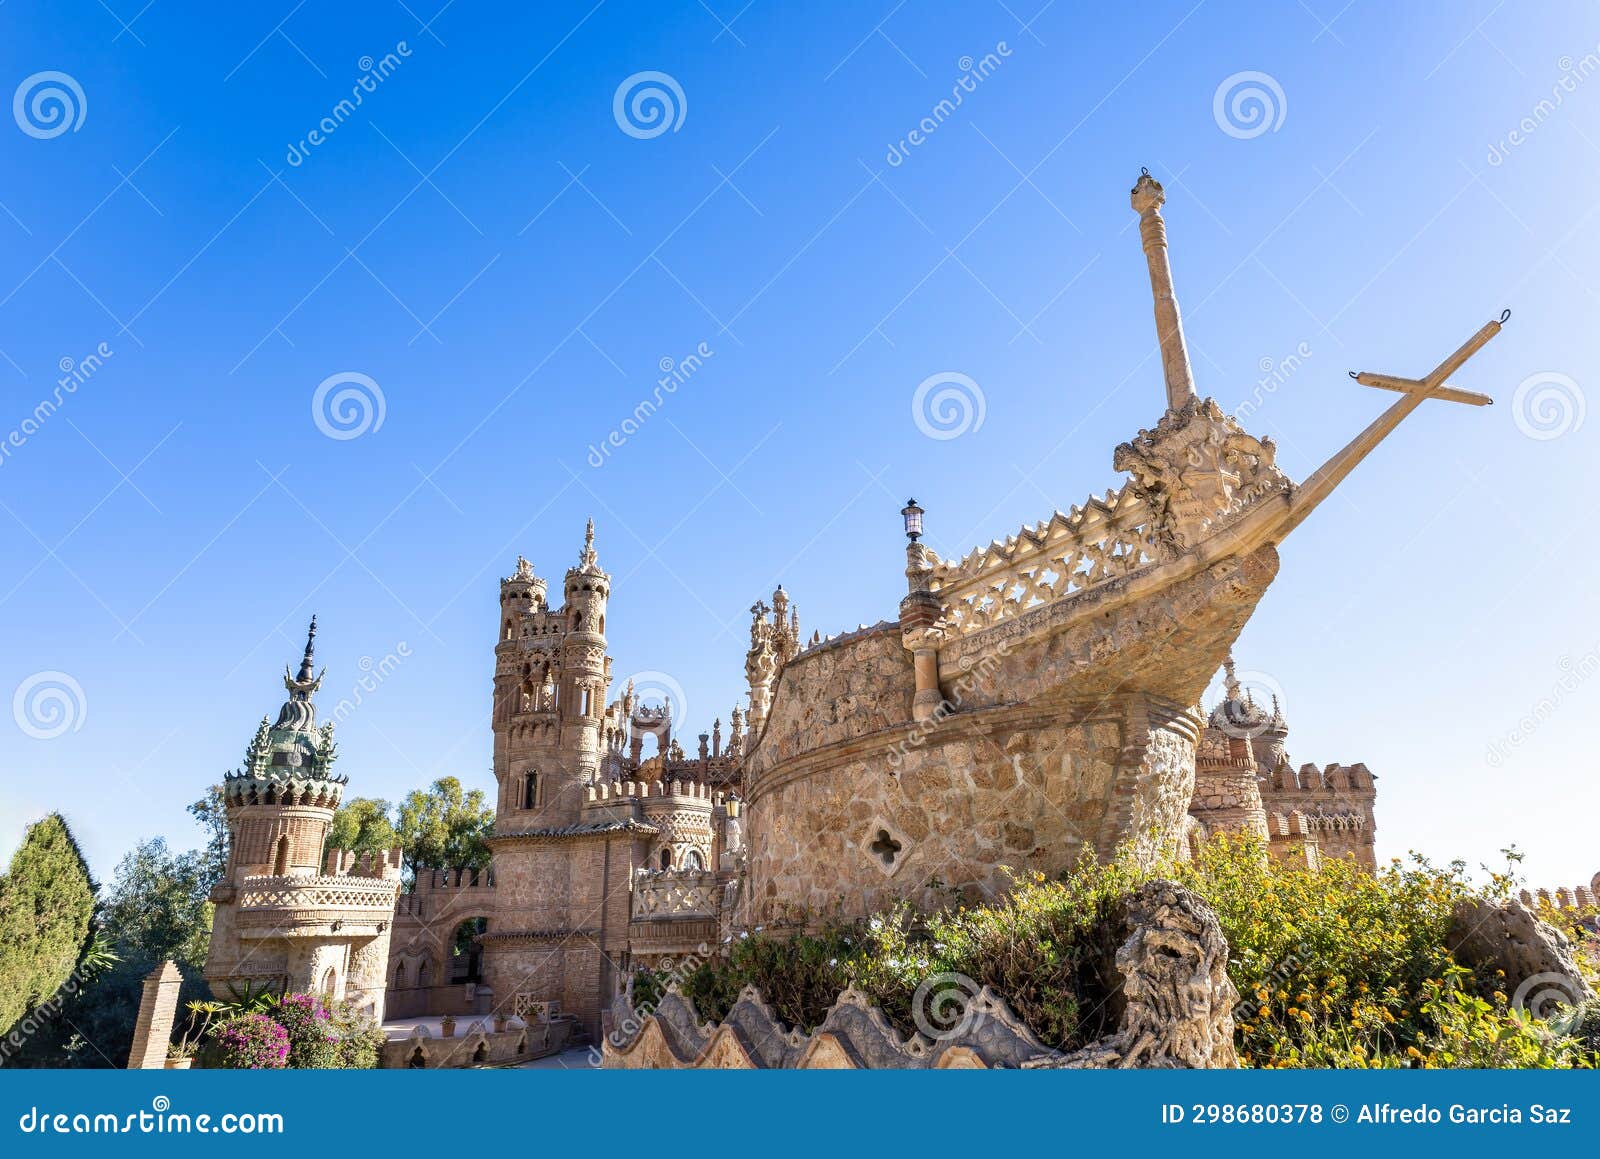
[323, 892]
[1104, 539]
[675, 894]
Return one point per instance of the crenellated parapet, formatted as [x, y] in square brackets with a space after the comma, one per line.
[1579, 899]
[1106, 538]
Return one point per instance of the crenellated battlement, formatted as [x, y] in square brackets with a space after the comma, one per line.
[386, 865]
[1583, 897]
[1334, 778]
[620, 791]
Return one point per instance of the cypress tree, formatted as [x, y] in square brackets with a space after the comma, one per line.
[46, 914]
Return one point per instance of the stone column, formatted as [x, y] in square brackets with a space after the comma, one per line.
[920, 634]
[157, 1009]
[1147, 199]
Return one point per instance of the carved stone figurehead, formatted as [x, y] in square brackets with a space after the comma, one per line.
[1199, 470]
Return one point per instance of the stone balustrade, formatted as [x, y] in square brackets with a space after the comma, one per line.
[1105, 539]
[675, 894]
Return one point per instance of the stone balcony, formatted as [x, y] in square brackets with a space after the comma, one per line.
[672, 894]
[313, 906]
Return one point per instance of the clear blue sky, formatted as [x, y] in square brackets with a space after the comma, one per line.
[484, 242]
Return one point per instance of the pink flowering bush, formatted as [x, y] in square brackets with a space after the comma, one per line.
[313, 1037]
[250, 1042]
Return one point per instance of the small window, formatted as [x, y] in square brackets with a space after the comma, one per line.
[666, 859]
[280, 860]
[530, 791]
[693, 861]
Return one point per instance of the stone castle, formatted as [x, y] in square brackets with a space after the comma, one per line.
[1030, 702]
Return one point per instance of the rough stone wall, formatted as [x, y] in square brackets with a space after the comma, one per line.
[1064, 729]
[559, 933]
[1011, 788]
[1338, 802]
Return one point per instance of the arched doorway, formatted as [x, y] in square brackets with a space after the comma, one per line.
[466, 951]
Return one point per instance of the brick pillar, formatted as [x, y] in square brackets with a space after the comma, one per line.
[157, 1009]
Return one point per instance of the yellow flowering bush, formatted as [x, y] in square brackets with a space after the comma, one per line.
[1335, 967]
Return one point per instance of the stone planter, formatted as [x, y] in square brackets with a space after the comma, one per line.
[447, 1027]
[179, 1063]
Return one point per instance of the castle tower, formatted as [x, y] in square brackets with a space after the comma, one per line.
[279, 921]
[585, 667]
[559, 932]
[1227, 795]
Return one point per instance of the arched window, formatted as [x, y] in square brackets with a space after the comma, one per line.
[280, 859]
[400, 976]
[530, 790]
[693, 861]
[330, 980]
[666, 859]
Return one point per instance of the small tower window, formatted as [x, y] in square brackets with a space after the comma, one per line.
[693, 861]
[280, 859]
[666, 859]
[530, 791]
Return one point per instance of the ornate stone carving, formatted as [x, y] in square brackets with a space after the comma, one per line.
[1197, 471]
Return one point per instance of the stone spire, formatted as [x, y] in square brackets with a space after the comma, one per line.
[297, 712]
[587, 559]
[1147, 198]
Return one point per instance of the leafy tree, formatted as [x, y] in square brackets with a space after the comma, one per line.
[46, 917]
[157, 906]
[211, 814]
[361, 825]
[445, 826]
